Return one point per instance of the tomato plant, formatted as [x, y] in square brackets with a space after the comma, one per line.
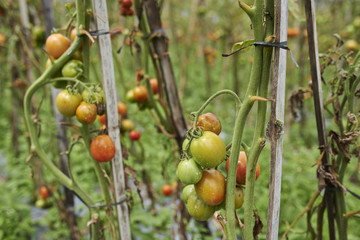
[56, 44]
[208, 150]
[167, 190]
[241, 168]
[188, 171]
[198, 209]
[86, 112]
[72, 68]
[67, 103]
[102, 148]
[154, 85]
[140, 93]
[211, 188]
[135, 135]
[122, 109]
[209, 122]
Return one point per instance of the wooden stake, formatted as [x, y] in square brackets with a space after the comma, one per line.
[277, 120]
[107, 67]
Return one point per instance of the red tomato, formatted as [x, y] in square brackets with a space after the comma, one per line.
[140, 93]
[86, 112]
[122, 109]
[209, 122]
[44, 192]
[56, 44]
[135, 135]
[166, 190]
[154, 85]
[102, 148]
[211, 188]
[127, 3]
[241, 169]
[102, 119]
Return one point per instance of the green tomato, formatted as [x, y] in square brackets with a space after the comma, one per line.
[188, 171]
[198, 209]
[185, 142]
[187, 191]
[40, 203]
[67, 103]
[208, 150]
[72, 68]
[130, 96]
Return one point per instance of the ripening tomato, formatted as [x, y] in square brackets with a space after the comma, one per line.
[102, 119]
[102, 148]
[167, 190]
[293, 32]
[72, 68]
[211, 188]
[86, 112]
[239, 197]
[209, 122]
[154, 85]
[351, 45]
[135, 135]
[187, 191]
[140, 93]
[130, 96]
[67, 103]
[198, 209]
[188, 171]
[44, 192]
[208, 150]
[56, 44]
[241, 169]
[122, 109]
[127, 125]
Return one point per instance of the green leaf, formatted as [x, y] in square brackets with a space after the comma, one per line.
[239, 45]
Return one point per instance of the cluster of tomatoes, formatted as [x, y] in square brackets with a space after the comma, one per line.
[42, 200]
[140, 95]
[125, 9]
[204, 192]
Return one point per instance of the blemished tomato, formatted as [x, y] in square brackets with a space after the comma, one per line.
[44, 192]
[122, 109]
[56, 44]
[211, 188]
[67, 103]
[140, 93]
[167, 190]
[198, 209]
[102, 119]
[208, 150]
[188, 171]
[130, 96]
[209, 122]
[86, 112]
[134, 135]
[102, 148]
[241, 169]
[127, 125]
[187, 191]
[154, 85]
[72, 68]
